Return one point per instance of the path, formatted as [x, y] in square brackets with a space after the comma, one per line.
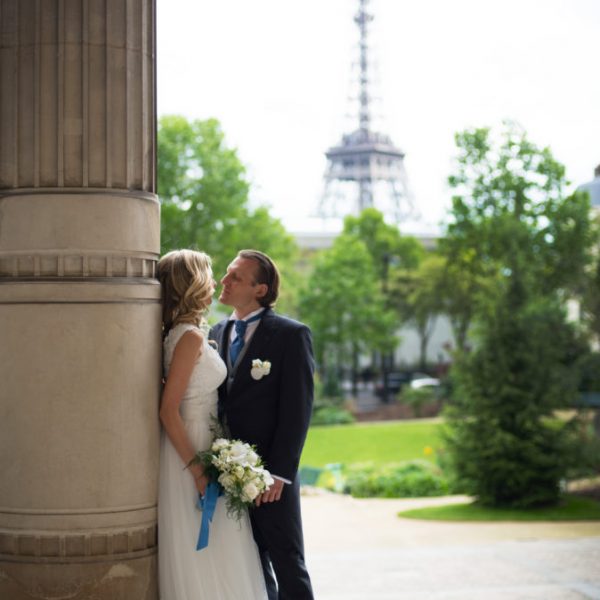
[360, 550]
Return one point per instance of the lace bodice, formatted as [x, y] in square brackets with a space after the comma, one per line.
[209, 372]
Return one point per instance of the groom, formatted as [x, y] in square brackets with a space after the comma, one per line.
[269, 406]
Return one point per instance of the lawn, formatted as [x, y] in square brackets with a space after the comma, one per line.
[572, 508]
[390, 441]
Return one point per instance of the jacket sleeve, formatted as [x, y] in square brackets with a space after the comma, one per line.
[294, 404]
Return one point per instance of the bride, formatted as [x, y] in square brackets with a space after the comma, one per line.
[229, 568]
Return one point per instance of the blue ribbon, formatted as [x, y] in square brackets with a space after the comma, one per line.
[207, 505]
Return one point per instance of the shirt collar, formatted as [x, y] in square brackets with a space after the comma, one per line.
[248, 316]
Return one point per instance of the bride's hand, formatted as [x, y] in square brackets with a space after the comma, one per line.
[201, 483]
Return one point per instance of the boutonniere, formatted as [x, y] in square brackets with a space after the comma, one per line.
[260, 368]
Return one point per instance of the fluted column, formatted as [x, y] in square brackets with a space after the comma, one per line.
[79, 302]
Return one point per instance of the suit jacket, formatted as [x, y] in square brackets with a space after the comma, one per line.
[273, 412]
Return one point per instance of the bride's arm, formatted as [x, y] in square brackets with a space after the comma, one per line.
[186, 354]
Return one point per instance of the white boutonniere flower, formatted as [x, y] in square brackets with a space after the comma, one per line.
[260, 368]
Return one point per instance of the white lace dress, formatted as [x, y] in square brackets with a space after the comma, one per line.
[229, 568]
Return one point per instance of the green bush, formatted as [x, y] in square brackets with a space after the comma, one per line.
[589, 372]
[331, 415]
[411, 479]
[583, 449]
[418, 398]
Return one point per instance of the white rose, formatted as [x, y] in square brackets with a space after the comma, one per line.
[250, 491]
[219, 444]
[239, 451]
[226, 480]
[252, 458]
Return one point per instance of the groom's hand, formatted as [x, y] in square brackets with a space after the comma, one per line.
[272, 494]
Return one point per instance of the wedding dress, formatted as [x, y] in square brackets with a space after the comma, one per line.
[229, 568]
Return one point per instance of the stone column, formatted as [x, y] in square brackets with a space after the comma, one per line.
[79, 302]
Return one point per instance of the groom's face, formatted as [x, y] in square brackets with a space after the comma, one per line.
[240, 289]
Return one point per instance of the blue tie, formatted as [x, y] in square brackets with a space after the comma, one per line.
[238, 342]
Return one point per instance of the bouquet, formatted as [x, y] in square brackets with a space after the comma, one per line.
[238, 470]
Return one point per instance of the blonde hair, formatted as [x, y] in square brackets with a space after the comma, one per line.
[186, 281]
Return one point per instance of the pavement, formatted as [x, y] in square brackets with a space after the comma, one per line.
[359, 549]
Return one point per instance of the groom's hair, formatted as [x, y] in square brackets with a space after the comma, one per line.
[267, 273]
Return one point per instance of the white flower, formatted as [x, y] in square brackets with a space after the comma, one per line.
[260, 368]
[250, 491]
[226, 480]
[239, 452]
[252, 458]
[219, 444]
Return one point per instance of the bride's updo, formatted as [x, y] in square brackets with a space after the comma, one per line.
[187, 287]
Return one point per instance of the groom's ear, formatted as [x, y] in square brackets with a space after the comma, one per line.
[261, 290]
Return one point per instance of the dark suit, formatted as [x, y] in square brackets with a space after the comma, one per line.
[273, 413]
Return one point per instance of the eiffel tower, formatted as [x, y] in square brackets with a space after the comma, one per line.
[365, 169]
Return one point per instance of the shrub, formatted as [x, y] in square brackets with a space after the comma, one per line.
[418, 398]
[331, 415]
[583, 449]
[589, 372]
[411, 479]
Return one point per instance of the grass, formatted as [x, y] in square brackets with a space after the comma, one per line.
[572, 508]
[391, 441]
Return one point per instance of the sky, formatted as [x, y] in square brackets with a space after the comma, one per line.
[278, 76]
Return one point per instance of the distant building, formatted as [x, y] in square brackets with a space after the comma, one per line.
[313, 241]
[593, 188]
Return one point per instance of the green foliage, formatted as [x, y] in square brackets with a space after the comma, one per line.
[204, 194]
[344, 306]
[510, 210]
[417, 294]
[584, 448]
[412, 479]
[510, 216]
[387, 247]
[589, 372]
[504, 448]
[331, 415]
[591, 291]
[418, 398]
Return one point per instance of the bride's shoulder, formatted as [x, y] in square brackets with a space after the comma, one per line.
[184, 331]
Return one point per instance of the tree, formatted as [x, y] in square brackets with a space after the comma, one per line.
[591, 292]
[204, 199]
[418, 295]
[344, 306]
[511, 214]
[465, 285]
[390, 251]
[510, 210]
[505, 446]
[386, 245]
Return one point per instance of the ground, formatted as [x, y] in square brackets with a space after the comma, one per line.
[360, 550]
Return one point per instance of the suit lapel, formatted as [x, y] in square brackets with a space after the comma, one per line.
[222, 339]
[257, 348]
